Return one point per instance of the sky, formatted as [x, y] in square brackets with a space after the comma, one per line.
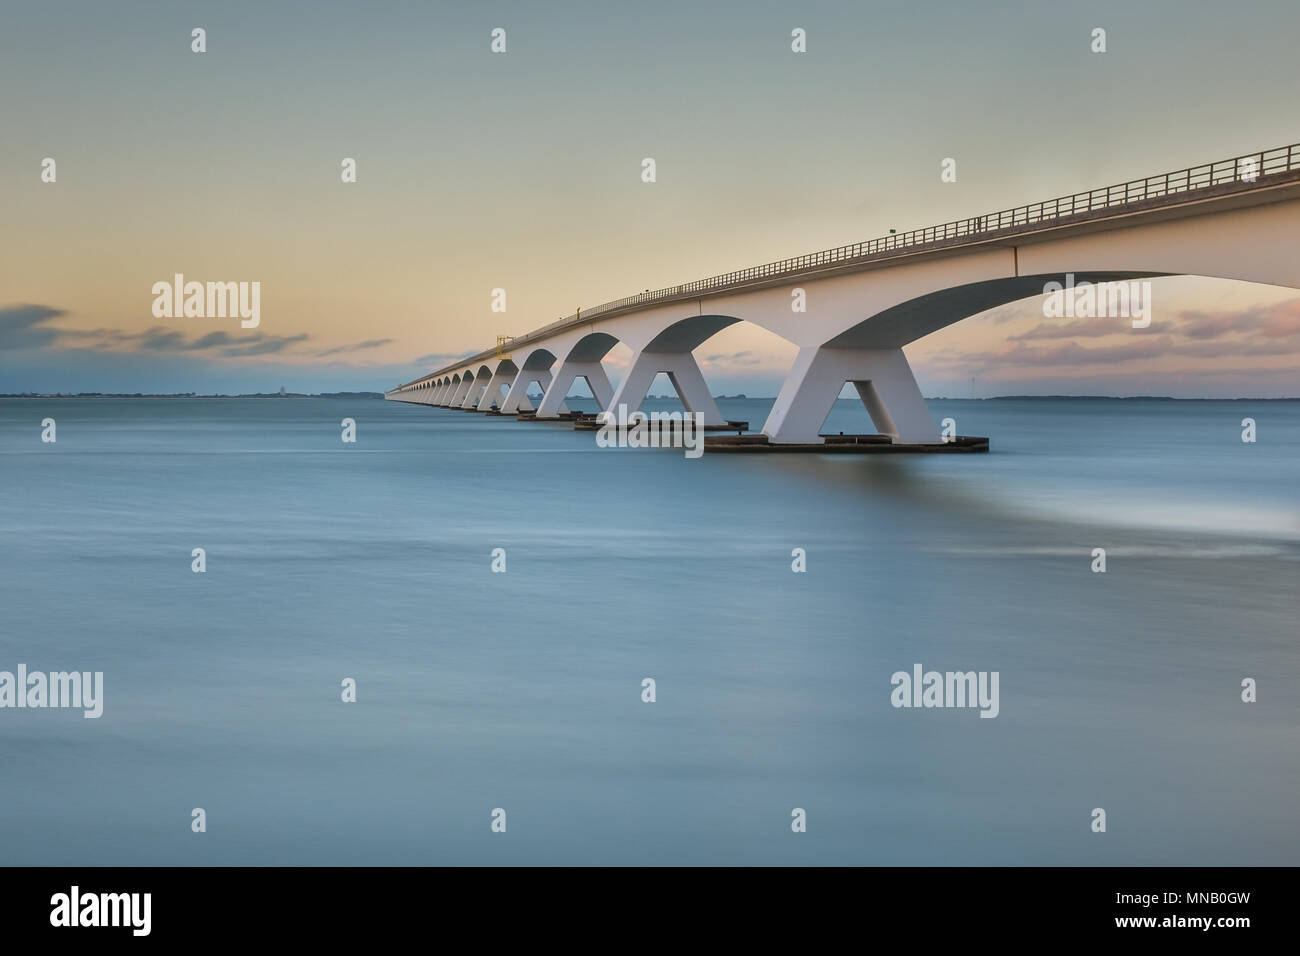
[522, 171]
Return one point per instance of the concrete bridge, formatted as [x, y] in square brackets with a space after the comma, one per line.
[1234, 219]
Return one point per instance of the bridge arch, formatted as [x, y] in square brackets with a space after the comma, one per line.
[502, 377]
[669, 351]
[688, 334]
[583, 359]
[592, 347]
[913, 318]
[456, 390]
[470, 386]
[535, 367]
[478, 382]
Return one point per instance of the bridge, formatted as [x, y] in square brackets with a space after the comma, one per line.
[1235, 219]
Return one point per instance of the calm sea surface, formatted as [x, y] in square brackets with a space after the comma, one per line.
[522, 690]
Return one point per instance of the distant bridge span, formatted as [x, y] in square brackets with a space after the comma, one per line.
[1234, 219]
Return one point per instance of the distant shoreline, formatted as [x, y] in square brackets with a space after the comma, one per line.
[758, 398]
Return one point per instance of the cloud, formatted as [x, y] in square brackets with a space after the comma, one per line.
[23, 327]
[358, 347]
[1072, 354]
[159, 340]
[26, 327]
[1277, 321]
[1079, 328]
[439, 358]
[265, 345]
[1000, 315]
[167, 359]
[221, 343]
[746, 357]
[211, 341]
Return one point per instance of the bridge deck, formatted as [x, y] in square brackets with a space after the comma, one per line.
[1242, 180]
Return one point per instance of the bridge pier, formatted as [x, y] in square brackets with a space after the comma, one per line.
[517, 397]
[455, 393]
[473, 395]
[682, 371]
[552, 404]
[504, 375]
[883, 380]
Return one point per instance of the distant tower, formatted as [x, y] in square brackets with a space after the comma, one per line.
[281, 391]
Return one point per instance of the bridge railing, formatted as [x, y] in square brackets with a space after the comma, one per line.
[1246, 170]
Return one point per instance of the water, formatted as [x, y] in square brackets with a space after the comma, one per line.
[522, 690]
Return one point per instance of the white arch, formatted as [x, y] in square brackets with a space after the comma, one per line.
[535, 367]
[582, 360]
[502, 378]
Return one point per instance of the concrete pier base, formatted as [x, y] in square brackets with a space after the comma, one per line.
[517, 398]
[501, 378]
[552, 404]
[682, 371]
[883, 381]
[845, 445]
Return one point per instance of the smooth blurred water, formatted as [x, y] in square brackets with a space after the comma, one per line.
[523, 690]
